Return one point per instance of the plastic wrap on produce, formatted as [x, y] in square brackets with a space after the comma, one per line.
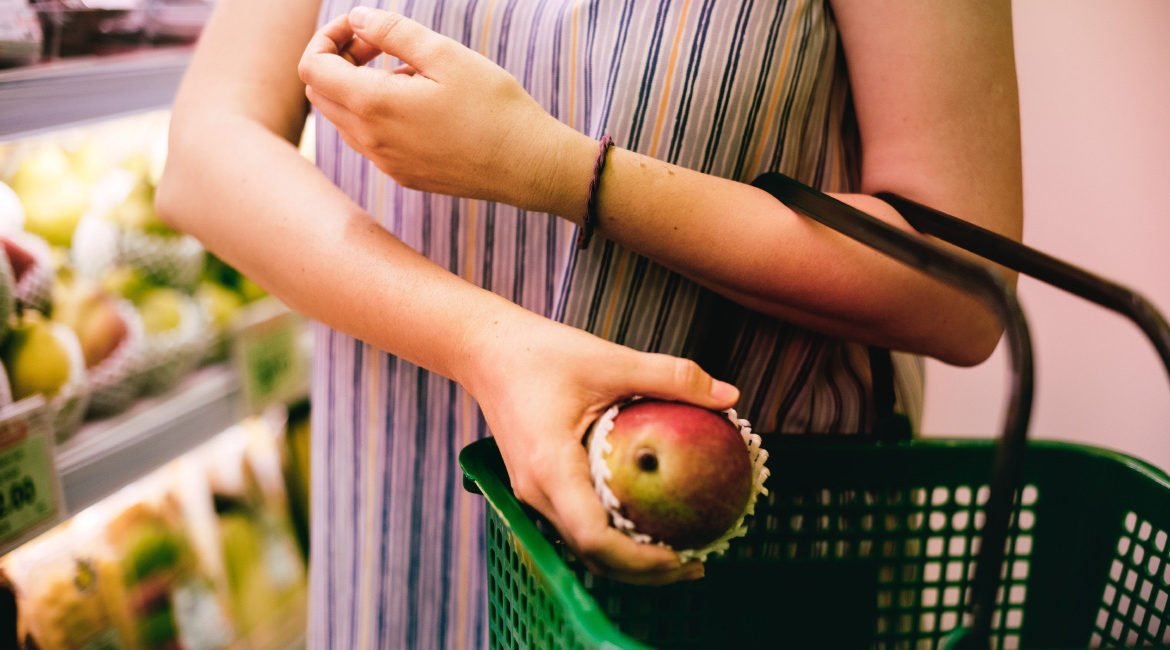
[169, 355]
[70, 403]
[116, 381]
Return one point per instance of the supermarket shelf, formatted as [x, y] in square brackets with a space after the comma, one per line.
[72, 91]
[107, 454]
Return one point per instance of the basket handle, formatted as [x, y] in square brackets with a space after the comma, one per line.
[986, 284]
[1039, 265]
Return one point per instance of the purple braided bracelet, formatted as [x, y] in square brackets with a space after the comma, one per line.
[586, 231]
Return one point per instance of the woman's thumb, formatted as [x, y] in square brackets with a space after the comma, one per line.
[396, 35]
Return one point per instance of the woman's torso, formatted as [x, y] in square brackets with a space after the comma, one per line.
[728, 88]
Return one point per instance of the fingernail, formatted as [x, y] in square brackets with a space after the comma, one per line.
[359, 16]
[723, 391]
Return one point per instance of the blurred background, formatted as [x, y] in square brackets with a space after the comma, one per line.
[1093, 95]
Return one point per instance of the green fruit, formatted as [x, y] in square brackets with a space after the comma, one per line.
[217, 271]
[128, 282]
[222, 303]
[682, 474]
[158, 629]
[152, 550]
[250, 291]
[161, 309]
[36, 361]
[137, 212]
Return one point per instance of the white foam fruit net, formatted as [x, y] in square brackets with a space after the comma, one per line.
[599, 446]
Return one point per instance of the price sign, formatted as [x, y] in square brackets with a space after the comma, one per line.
[272, 358]
[30, 488]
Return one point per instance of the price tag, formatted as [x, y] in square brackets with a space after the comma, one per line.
[272, 358]
[30, 488]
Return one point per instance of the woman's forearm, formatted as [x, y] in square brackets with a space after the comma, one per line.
[235, 180]
[742, 243]
[253, 200]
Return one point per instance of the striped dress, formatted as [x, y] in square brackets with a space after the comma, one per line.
[729, 87]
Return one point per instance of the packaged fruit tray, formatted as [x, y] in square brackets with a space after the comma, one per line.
[925, 543]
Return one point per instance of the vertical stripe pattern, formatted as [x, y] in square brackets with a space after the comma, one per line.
[730, 88]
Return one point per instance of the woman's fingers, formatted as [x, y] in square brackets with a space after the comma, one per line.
[692, 570]
[585, 523]
[340, 116]
[323, 67]
[422, 49]
[675, 378]
[360, 52]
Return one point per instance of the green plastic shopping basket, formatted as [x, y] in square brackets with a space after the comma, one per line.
[862, 544]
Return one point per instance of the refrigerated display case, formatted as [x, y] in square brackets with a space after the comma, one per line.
[230, 356]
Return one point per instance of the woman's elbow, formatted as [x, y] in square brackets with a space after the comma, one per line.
[168, 197]
[182, 185]
[971, 344]
[177, 190]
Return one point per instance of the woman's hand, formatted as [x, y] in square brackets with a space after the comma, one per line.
[541, 385]
[448, 120]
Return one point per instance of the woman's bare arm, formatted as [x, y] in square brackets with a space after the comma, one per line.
[235, 180]
[936, 97]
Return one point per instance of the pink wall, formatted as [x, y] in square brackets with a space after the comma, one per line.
[1095, 106]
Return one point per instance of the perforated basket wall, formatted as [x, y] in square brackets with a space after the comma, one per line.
[864, 546]
[1133, 607]
[522, 613]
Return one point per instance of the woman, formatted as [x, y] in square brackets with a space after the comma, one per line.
[438, 249]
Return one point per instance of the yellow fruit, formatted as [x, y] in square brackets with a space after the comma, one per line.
[139, 163]
[36, 361]
[161, 309]
[137, 212]
[250, 291]
[41, 168]
[53, 195]
[127, 282]
[53, 211]
[222, 303]
[91, 160]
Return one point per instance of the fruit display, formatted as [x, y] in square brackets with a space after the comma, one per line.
[168, 597]
[199, 555]
[65, 596]
[103, 307]
[53, 193]
[30, 261]
[42, 357]
[294, 456]
[176, 336]
[82, 245]
[110, 332]
[262, 562]
[677, 474]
